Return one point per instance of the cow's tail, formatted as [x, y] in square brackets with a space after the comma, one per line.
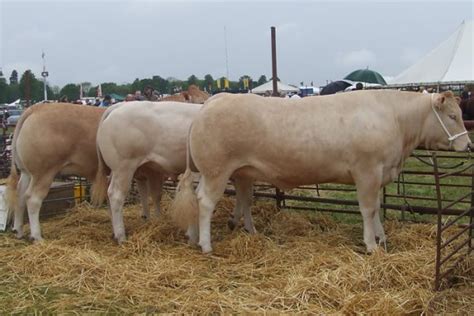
[11, 193]
[99, 187]
[184, 210]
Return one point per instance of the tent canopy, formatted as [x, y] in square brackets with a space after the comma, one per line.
[269, 87]
[451, 61]
[117, 97]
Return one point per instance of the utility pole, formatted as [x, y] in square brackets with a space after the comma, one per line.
[274, 63]
[28, 89]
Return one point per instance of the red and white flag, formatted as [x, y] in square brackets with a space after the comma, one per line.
[81, 92]
[99, 91]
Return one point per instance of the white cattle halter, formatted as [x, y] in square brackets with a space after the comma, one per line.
[451, 138]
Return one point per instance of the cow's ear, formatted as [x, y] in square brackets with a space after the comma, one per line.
[439, 101]
[458, 100]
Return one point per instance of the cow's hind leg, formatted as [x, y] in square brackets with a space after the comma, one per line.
[117, 192]
[143, 192]
[209, 192]
[35, 193]
[379, 231]
[19, 218]
[155, 185]
[244, 199]
[368, 186]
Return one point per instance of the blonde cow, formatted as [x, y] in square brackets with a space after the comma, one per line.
[152, 135]
[52, 139]
[359, 138]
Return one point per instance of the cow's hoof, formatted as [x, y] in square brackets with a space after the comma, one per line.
[371, 249]
[18, 233]
[206, 249]
[231, 224]
[36, 240]
[251, 230]
[120, 239]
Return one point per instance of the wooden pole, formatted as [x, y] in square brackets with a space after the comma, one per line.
[274, 63]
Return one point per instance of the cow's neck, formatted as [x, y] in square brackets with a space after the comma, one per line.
[413, 115]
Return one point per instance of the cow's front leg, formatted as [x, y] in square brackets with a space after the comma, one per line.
[379, 231]
[368, 187]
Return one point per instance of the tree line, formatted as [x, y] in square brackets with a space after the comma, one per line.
[29, 87]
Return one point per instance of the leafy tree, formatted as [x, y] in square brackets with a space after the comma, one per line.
[31, 89]
[146, 83]
[13, 92]
[193, 80]
[209, 82]
[71, 91]
[3, 91]
[160, 84]
[14, 77]
[262, 80]
[136, 85]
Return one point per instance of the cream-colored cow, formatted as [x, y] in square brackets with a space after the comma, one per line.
[151, 137]
[52, 139]
[359, 138]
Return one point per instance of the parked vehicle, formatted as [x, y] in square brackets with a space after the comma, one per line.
[13, 116]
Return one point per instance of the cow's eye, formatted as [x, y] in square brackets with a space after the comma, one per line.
[452, 116]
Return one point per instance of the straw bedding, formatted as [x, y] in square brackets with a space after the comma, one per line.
[298, 262]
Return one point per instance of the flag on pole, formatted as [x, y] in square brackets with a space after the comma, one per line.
[226, 83]
[218, 83]
[80, 91]
[42, 55]
[99, 91]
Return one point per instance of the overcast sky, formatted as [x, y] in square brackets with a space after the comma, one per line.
[118, 41]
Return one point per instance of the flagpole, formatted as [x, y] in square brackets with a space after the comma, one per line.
[44, 74]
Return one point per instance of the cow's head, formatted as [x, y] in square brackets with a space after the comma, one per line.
[446, 126]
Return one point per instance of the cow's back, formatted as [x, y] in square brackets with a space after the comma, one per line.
[147, 131]
[59, 136]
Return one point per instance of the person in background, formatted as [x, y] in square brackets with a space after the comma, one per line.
[466, 94]
[97, 102]
[129, 97]
[106, 102]
[138, 96]
[149, 94]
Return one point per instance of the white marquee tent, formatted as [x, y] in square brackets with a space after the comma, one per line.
[269, 87]
[450, 62]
